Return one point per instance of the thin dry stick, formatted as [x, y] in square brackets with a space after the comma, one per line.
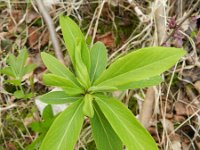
[8, 107]
[182, 21]
[148, 104]
[147, 107]
[51, 29]
[97, 21]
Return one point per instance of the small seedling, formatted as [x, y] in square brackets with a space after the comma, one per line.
[113, 124]
[15, 70]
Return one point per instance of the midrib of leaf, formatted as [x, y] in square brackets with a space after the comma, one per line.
[60, 71]
[63, 98]
[121, 123]
[63, 73]
[14, 72]
[136, 70]
[72, 53]
[69, 125]
[13, 67]
[95, 67]
[103, 127]
[70, 85]
[21, 69]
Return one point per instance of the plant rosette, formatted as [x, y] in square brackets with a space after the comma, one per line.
[86, 90]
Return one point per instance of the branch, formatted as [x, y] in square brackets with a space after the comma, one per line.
[51, 29]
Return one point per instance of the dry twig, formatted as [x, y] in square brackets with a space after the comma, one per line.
[51, 29]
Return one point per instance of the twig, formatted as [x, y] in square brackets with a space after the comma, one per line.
[182, 21]
[148, 104]
[147, 107]
[97, 20]
[51, 29]
[8, 107]
[160, 21]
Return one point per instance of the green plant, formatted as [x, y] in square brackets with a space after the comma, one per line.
[112, 123]
[16, 70]
[41, 127]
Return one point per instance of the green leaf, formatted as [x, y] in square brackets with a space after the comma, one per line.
[98, 60]
[20, 62]
[36, 143]
[7, 71]
[58, 97]
[104, 135]
[102, 88]
[139, 65]
[12, 62]
[55, 80]
[36, 126]
[80, 68]
[57, 68]
[65, 130]
[14, 82]
[29, 68]
[88, 106]
[126, 126]
[19, 94]
[71, 31]
[47, 113]
[142, 84]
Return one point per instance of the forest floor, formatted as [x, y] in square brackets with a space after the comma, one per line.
[173, 113]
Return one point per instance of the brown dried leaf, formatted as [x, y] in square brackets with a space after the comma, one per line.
[169, 116]
[168, 125]
[178, 118]
[176, 142]
[11, 146]
[180, 109]
[185, 110]
[31, 16]
[107, 39]
[185, 146]
[16, 17]
[34, 36]
[193, 74]
[197, 86]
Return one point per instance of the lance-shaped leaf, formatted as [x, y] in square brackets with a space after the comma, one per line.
[139, 65]
[104, 135]
[57, 67]
[98, 60]
[58, 97]
[70, 32]
[12, 62]
[142, 84]
[58, 81]
[17, 64]
[29, 68]
[80, 68]
[20, 62]
[64, 131]
[126, 126]
[88, 106]
[8, 71]
[102, 88]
